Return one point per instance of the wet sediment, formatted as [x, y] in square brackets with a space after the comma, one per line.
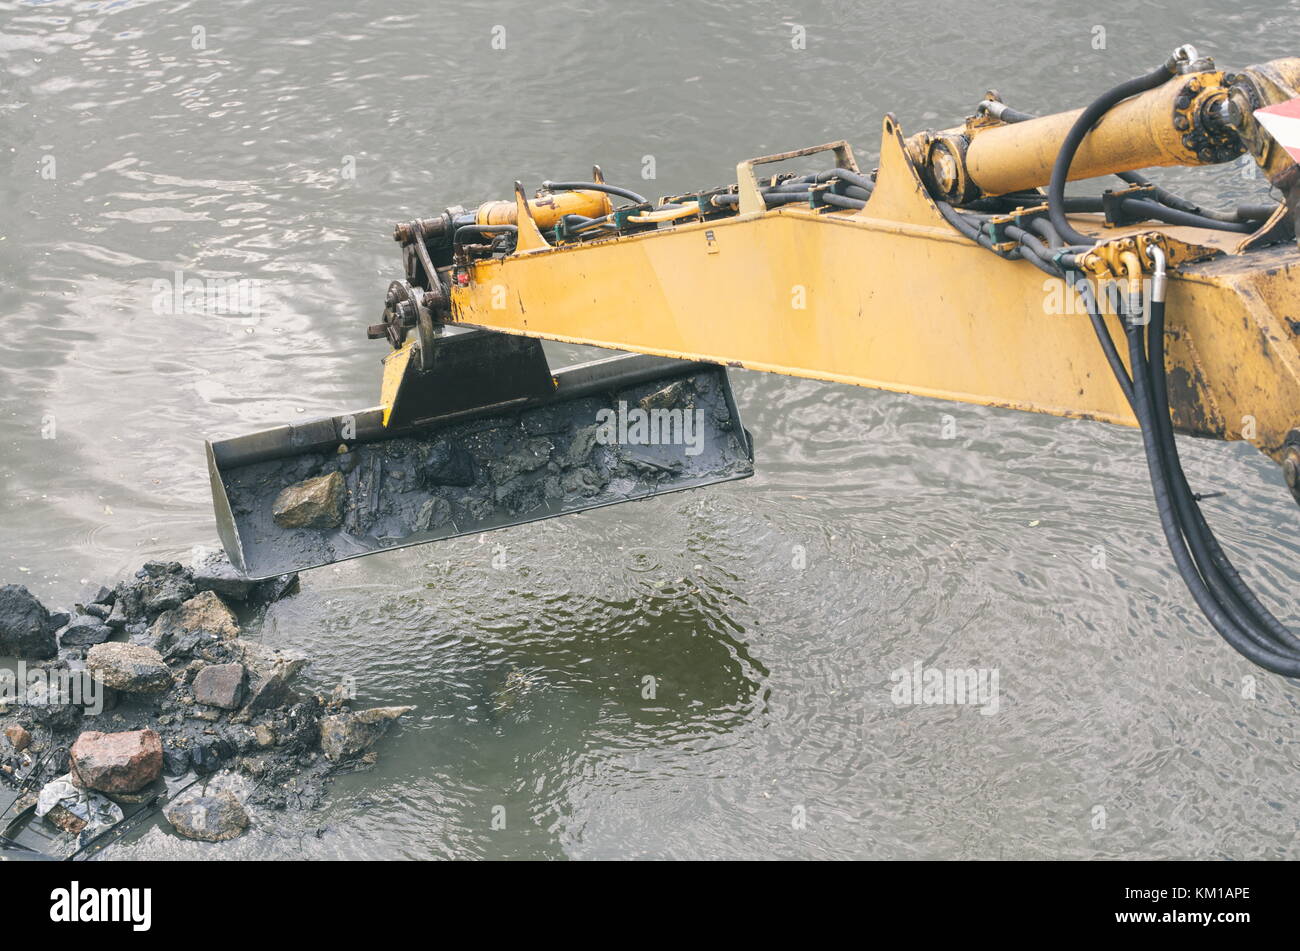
[489, 472]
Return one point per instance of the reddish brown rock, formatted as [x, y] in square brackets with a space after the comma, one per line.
[117, 762]
[19, 738]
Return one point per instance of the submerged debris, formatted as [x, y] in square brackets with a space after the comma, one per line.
[175, 692]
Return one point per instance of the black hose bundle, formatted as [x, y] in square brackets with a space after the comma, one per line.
[1218, 589]
[1216, 586]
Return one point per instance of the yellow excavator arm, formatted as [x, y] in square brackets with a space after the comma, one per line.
[958, 269]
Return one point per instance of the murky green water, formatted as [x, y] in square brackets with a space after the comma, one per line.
[769, 612]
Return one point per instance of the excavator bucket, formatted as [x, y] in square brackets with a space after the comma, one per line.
[482, 438]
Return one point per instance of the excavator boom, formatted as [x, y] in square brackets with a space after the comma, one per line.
[958, 269]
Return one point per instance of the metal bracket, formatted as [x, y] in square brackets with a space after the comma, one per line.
[751, 198]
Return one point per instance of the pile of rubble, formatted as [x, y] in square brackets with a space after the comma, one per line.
[153, 680]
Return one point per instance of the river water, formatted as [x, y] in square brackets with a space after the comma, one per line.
[276, 143]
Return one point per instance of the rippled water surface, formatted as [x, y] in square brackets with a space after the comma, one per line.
[770, 612]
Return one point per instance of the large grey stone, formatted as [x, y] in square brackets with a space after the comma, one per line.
[26, 628]
[85, 631]
[212, 571]
[130, 668]
[208, 817]
[220, 685]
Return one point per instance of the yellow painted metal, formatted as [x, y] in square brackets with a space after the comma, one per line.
[546, 210]
[892, 297]
[394, 372]
[1137, 133]
[529, 237]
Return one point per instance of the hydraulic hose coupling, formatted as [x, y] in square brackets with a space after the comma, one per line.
[1159, 277]
[1132, 265]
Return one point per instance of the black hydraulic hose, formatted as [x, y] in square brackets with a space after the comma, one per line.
[1218, 570]
[595, 187]
[1074, 138]
[848, 177]
[1084, 289]
[784, 198]
[1154, 211]
[1241, 641]
[1044, 227]
[484, 229]
[1172, 216]
[842, 201]
[587, 224]
[1034, 251]
[843, 174]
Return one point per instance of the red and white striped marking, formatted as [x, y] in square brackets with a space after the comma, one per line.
[1282, 122]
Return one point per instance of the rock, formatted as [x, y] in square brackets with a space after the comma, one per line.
[267, 694]
[65, 820]
[264, 661]
[99, 595]
[18, 737]
[117, 762]
[347, 734]
[176, 761]
[186, 645]
[314, 503]
[212, 571]
[203, 612]
[673, 395]
[85, 631]
[448, 463]
[118, 618]
[208, 753]
[208, 818]
[143, 794]
[220, 685]
[161, 587]
[264, 736]
[128, 667]
[50, 705]
[26, 628]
